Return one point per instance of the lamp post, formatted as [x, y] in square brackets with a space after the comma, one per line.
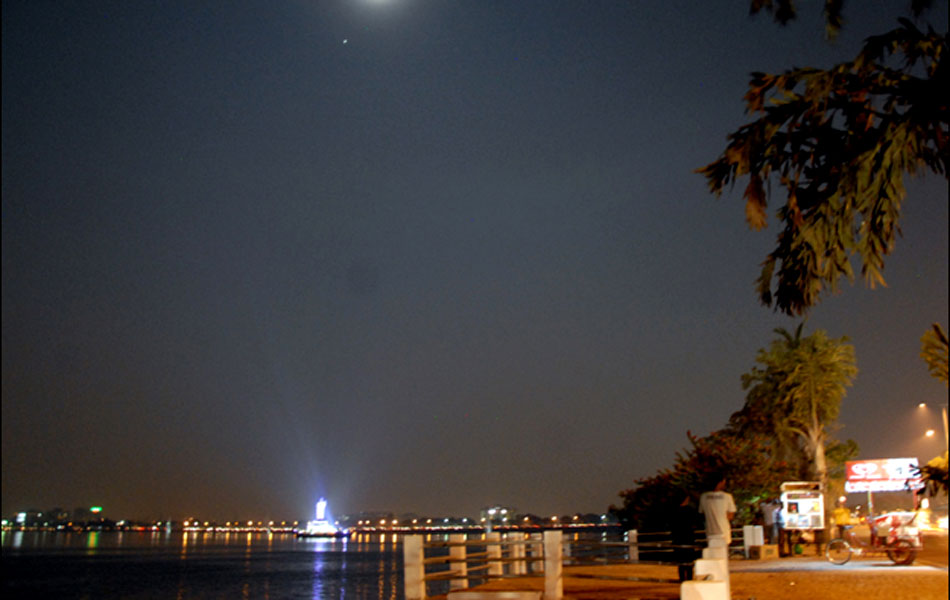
[943, 414]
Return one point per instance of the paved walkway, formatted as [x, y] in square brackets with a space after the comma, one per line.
[812, 563]
[794, 578]
[790, 578]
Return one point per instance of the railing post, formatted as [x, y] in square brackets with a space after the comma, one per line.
[633, 552]
[494, 553]
[518, 551]
[414, 570]
[553, 565]
[716, 548]
[717, 568]
[751, 536]
[458, 564]
[536, 553]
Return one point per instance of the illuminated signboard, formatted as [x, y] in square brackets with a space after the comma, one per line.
[803, 505]
[882, 475]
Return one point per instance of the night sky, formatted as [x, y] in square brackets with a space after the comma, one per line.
[411, 255]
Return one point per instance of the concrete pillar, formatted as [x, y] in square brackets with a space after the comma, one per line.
[414, 570]
[518, 551]
[716, 568]
[537, 552]
[494, 553]
[704, 590]
[553, 565]
[752, 535]
[633, 551]
[458, 564]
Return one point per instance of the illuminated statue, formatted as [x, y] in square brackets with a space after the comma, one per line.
[321, 526]
[321, 509]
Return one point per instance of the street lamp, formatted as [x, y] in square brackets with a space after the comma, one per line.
[931, 432]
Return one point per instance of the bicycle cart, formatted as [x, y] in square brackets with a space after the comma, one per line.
[892, 534]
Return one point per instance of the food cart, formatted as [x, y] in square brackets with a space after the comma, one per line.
[803, 509]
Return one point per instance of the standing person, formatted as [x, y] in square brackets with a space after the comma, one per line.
[683, 529]
[768, 521]
[784, 545]
[719, 508]
[841, 517]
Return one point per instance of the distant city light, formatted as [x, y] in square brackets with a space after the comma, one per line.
[95, 509]
[930, 433]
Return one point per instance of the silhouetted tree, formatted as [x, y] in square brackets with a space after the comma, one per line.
[837, 143]
[796, 392]
[745, 459]
[934, 351]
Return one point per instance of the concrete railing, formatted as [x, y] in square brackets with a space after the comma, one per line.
[545, 555]
[515, 555]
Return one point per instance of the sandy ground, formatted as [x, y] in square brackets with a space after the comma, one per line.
[799, 578]
[919, 583]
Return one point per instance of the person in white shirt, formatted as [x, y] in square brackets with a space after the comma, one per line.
[718, 507]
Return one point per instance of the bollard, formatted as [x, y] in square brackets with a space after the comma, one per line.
[458, 564]
[633, 552]
[414, 570]
[553, 565]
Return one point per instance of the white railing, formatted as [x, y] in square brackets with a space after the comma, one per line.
[461, 561]
[514, 555]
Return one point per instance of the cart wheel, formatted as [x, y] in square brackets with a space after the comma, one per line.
[902, 552]
[838, 551]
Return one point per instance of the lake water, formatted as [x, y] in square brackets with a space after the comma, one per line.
[145, 565]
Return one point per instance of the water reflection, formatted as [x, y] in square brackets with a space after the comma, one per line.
[318, 565]
[204, 565]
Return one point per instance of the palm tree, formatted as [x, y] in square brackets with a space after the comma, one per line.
[797, 388]
[933, 349]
